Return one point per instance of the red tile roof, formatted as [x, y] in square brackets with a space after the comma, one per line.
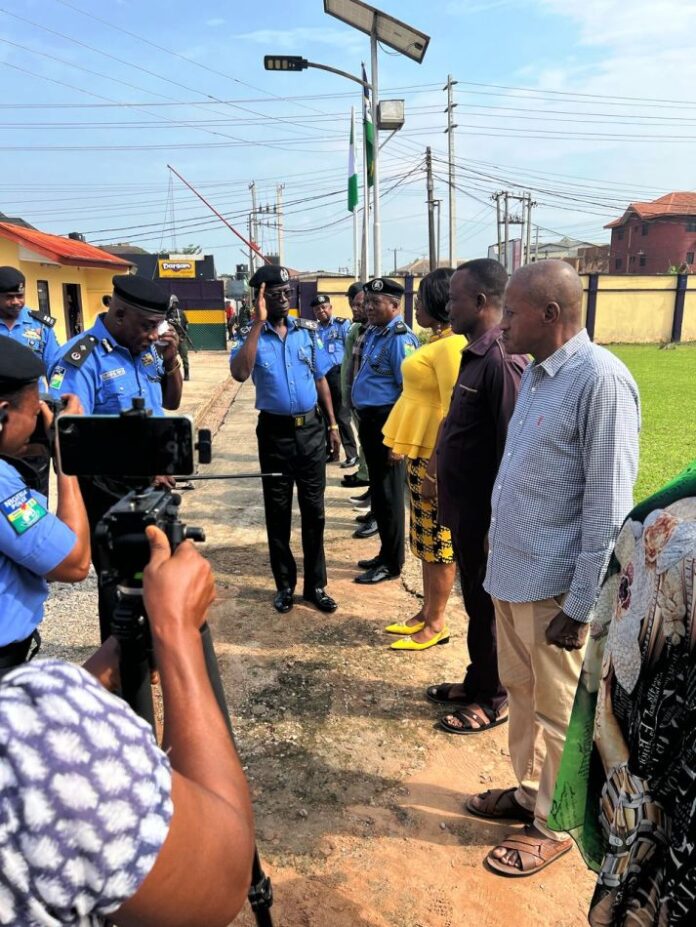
[61, 250]
[672, 204]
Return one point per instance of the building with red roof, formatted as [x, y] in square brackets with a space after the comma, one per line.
[656, 237]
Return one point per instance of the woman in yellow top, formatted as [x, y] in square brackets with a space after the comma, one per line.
[411, 431]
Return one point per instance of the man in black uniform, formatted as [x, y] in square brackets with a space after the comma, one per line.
[280, 353]
[177, 318]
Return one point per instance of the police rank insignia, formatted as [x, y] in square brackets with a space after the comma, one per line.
[22, 511]
[147, 359]
[284, 275]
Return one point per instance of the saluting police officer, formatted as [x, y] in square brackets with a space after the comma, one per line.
[333, 331]
[281, 355]
[35, 546]
[376, 387]
[33, 329]
[121, 357]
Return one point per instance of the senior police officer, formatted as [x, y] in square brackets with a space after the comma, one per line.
[331, 343]
[35, 546]
[281, 355]
[376, 388]
[120, 358]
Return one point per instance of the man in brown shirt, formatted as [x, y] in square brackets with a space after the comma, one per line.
[463, 471]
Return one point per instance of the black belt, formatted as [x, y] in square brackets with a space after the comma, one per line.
[15, 654]
[294, 421]
[374, 411]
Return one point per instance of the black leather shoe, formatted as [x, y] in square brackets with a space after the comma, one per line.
[364, 519]
[349, 462]
[353, 480]
[322, 601]
[369, 564]
[363, 497]
[367, 530]
[284, 600]
[376, 575]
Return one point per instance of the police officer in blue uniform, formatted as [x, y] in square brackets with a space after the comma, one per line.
[376, 387]
[280, 353]
[35, 546]
[33, 329]
[332, 345]
[121, 357]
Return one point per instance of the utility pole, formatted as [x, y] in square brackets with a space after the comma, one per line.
[438, 206]
[528, 249]
[450, 154]
[431, 207]
[507, 262]
[496, 197]
[253, 226]
[281, 223]
[536, 244]
[375, 185]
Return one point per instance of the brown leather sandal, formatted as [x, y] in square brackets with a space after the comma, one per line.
[470, 715]
[501, 804]
[534, 851]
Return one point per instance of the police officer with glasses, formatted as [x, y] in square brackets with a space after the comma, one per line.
[36, 547]
[280, 354]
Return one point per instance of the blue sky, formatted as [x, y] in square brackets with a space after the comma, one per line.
[581, 106]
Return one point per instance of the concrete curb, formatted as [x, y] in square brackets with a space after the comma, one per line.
[227, 385]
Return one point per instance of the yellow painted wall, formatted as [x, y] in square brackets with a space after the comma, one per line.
[634, 309]
[94, 283]
[689, 324]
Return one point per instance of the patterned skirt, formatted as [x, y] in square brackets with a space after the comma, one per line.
[430, 541]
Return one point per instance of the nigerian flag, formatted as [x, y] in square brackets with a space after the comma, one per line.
[352, 174]
[369, 131]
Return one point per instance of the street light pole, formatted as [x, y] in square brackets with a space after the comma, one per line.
[377, 233]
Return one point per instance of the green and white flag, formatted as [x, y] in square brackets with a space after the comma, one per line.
[352, 174]
[369, 131]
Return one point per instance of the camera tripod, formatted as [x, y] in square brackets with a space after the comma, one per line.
[130, 626]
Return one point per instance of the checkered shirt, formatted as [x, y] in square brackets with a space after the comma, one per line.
[566, 479]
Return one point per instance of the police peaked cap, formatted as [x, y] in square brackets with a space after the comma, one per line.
[320, 300]
[271, 275]
[384, 286]
[11, 280]
[353, 290]
[141, 293]
[19, 366]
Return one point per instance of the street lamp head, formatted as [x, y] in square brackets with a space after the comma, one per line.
[387, 29]
[285, 63]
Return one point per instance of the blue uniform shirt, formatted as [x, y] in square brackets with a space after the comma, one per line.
[34, 334]
[286, 370]
[378, 381]
[332, 341]
[109, 377]
[32, 543]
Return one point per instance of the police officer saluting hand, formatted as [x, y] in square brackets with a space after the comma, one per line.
[280, 353]
[376, 387]
[120, 358]
[332, 345]
[35, 546]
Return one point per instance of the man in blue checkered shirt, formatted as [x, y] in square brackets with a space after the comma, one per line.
[564, 487]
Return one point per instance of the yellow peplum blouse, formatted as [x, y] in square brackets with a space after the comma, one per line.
[429, 375]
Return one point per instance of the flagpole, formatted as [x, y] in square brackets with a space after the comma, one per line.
[364, 264]
[356, 256]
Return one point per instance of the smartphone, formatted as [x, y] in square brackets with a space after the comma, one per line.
[125, 445]
[162, 329]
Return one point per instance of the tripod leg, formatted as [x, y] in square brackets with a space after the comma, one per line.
[261, 891]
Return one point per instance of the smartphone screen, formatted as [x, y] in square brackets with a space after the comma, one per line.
[124, 445]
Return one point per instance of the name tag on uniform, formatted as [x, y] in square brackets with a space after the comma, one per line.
[331, 347]
[112, 374]
[22, 511]
[32, 334]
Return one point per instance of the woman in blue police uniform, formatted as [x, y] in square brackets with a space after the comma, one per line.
[376, 387]
[35, 546]
[331, 345]
[110, 365]
[280, 354]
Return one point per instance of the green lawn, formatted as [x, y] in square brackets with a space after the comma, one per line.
[667, 383]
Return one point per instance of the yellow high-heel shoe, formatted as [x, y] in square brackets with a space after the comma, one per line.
[405, 628]
[442, 637]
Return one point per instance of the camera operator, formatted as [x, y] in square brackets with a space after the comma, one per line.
[35, 546]
[122, 357]
[97, 820]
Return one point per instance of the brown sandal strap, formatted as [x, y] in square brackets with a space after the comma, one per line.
[534, 852]
[492, 809]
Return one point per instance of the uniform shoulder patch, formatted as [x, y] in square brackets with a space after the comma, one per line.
[307, 323]
[401, 328]
[80, 351]
[22, 511]
[46, 320]
[339, 318]
[57, 378]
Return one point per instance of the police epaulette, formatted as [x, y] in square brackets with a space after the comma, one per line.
[307, 323]
[339, 318]
[401, 328]
[46, 320]
[80, 351]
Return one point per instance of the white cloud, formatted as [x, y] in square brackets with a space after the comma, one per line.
[304, 37]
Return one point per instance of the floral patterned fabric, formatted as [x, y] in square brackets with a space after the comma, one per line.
[627, 785]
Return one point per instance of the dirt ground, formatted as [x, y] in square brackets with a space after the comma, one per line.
[358, 798]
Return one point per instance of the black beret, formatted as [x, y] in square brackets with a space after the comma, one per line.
[11, 280]
[353, 290]
[320, 300]
[19, 366]
[384, 286]
[140, 292]
[271, 275]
